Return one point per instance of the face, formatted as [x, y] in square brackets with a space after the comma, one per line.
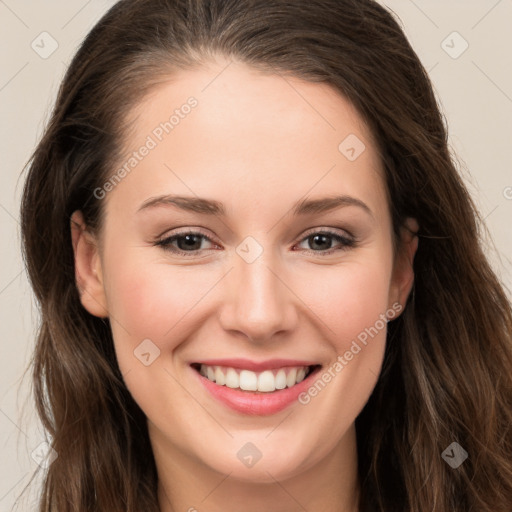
[290, 266]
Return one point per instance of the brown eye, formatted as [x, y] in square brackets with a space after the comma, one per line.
[185, 243]
[320, 242]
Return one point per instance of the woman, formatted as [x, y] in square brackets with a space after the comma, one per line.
[263, 371]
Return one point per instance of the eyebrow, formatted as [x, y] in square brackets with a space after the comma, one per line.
[212, 207]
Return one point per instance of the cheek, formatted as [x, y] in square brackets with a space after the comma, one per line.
[349, 299]
[156, 302]
[151, 299]
[355, 329]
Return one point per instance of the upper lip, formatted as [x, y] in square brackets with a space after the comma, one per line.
[256, 366]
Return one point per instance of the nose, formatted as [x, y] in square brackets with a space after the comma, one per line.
[259, 303]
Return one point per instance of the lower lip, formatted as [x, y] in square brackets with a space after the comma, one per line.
[256, 404]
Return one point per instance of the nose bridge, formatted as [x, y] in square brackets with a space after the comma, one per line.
[261, 304]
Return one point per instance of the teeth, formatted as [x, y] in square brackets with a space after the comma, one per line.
[281, 379]
[291, 378]
[232, 379]
[266, 381]
[220, 378]
[248, 381]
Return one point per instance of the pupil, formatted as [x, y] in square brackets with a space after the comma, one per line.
[189, 244]
[314, 238]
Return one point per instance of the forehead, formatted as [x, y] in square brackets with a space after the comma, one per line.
[230, 132]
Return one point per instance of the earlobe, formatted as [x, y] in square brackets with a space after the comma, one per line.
[88, 271]
[403, 272]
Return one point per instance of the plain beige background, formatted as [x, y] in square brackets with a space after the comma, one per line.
[473, 84]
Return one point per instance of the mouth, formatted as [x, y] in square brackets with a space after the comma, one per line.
[269, 381]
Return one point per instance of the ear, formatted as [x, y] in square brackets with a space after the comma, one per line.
[403, 274]
[88, 271]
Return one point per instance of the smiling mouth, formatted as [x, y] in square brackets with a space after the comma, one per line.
[267, 381]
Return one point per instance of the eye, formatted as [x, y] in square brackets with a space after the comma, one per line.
[323, 239]
[185, 243]
[189, 243]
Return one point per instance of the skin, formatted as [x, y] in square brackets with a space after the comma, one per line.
[257, 143]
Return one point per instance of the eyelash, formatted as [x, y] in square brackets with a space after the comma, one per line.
[346, 241]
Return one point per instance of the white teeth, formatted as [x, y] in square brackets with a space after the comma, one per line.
[248, 381]
[281, 379]
[291, 378]
[232, 379]
[219, 376]
[266, 381]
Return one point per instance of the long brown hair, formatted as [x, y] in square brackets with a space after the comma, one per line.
[447, 370]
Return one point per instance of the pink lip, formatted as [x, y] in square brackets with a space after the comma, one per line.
[246, 364]
[256, 404]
